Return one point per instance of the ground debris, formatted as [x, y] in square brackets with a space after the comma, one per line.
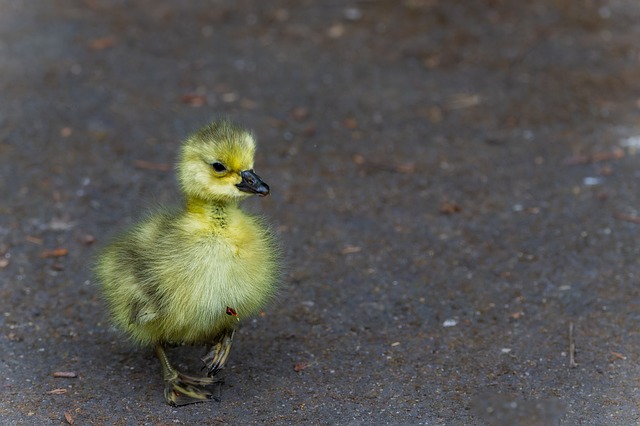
[572, 348]
[194, 99]
[618, 355]
[102, 43]
[462, 100]
[628, 217]
[59, 224]
[87, 239]
[58, 252]
[350, 123]
[447, 207]
[34, 240]
[300, 113]
[58, 391]
[450, 322]
[596, 157]
[65, 374]
[517, 315]
[350, 249]
[69, 418]
[299, 366]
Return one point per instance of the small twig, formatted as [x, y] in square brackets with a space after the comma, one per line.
[572, 348]
[628, 217]
[618, 355]
[59, 252]
[34, 240]
[66, 374]
[596, 157]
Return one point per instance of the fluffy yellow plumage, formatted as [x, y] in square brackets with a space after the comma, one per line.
[185, 276]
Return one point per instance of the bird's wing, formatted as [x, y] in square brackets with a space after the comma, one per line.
[142, 312]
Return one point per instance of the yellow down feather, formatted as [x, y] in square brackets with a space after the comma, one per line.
[171, 277]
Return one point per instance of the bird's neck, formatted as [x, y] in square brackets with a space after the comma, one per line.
[216, 211]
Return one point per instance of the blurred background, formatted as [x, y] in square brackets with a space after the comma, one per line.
[454, 184]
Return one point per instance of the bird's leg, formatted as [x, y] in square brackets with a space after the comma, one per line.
[217, 356]
[182, 389]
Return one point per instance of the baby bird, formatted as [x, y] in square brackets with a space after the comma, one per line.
[187, 276]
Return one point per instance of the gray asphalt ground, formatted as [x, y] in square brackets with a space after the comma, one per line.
[455, 186]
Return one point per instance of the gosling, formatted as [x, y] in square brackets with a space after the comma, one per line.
[187, 276]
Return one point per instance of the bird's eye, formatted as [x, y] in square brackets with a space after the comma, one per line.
[218, 167]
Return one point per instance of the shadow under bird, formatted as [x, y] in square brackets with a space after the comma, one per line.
[186, 276]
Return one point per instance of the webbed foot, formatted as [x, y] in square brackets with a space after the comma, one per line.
[217, 356]
[182, 389]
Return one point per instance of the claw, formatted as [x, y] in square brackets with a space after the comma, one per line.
[217, 356]
[182, 389]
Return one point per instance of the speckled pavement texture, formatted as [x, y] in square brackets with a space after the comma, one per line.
[455, 185]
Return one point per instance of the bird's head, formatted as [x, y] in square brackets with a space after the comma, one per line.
[216, 164]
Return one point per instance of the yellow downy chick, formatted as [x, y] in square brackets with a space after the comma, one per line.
[187, 276]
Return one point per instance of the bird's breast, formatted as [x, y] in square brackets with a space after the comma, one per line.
[227, 270]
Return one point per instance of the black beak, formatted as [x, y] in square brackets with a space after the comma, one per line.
[252, 184]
